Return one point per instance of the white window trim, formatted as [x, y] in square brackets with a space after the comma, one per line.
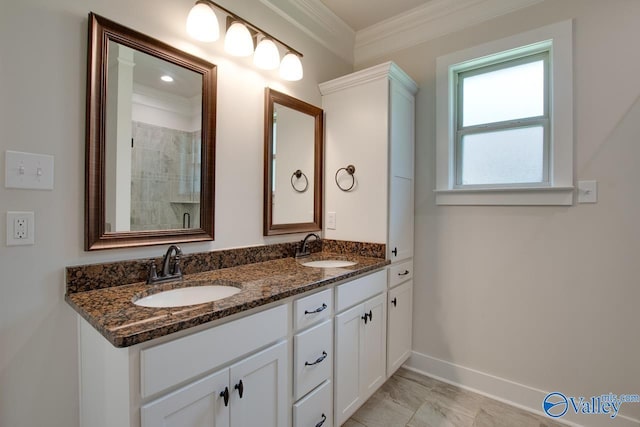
[559, 190]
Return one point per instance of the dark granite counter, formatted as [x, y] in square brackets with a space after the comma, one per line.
[112, 312]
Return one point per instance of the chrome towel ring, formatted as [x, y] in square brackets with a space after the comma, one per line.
[297, 175]
[351, 170]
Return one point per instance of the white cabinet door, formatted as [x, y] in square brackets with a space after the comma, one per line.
[374, 335]
[399, 330]
[349, 347]
[199, 404]
[400, 219]
[360, 363]
[259, 389]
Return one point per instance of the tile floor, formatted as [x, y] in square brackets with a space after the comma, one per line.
[410, 399]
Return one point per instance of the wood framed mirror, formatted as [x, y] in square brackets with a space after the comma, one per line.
[293, 158]
[150, 141]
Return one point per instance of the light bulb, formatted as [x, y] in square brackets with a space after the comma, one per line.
[202, 23]
[291, 67]
[266, 56]
[238, 41]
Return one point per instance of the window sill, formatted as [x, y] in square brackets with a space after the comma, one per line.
[512, 196]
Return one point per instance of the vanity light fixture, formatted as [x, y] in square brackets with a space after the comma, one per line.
[238, 40]
[241, 38]
[267, 55]
[202, 23]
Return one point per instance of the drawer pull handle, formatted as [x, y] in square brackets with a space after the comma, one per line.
[404, 273]
[225, 394]
[369, 315]
[324, 418]
[394, 302]
[240, 388]
[318, 360]
[317, 310]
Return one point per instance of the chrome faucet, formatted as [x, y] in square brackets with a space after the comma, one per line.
[303, 251]
[169, 271]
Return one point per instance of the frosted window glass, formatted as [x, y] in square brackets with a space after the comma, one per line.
[506, 94]
[503, 157]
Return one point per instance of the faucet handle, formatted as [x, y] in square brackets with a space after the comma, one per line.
[153, 273]
[176, 266]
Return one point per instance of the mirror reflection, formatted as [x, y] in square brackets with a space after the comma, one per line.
[293, 165]
[153, 143]
[293, 181]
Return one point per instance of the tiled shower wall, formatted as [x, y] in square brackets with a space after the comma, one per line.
[165, 178]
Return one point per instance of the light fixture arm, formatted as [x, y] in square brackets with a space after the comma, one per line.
[250, 25]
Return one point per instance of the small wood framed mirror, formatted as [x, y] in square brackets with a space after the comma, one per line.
[150, 141]
[293, 158]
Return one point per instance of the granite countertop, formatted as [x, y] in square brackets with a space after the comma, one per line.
[112, 312]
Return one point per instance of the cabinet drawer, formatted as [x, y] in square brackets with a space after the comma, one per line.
[313, 309]
[358, 290]
[171, 363]
[316, 409]
[313, 358]
[400, 272]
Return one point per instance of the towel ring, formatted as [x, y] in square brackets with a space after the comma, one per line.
[297, 175]
[351, 170]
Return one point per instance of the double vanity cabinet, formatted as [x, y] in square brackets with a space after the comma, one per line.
[307, 360]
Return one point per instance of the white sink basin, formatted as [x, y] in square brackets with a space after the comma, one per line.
[187, 296]
[328, 263]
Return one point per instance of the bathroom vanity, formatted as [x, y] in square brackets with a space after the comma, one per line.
[268, 355]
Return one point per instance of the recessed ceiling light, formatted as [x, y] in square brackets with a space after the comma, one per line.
[167, 79]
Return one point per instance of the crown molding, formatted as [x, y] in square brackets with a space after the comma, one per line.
[434, 19]
[316, 20]
[386, 70]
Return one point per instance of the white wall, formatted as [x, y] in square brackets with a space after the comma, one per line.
[43, 47]
[547, 297]
[361, 213]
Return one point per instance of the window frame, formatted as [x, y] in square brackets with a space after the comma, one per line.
[513, 124]
[557, 185]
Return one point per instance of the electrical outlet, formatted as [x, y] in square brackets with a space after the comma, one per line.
[20, 228]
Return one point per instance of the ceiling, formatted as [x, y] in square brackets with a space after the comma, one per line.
[360, 14]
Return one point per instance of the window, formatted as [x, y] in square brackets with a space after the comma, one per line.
[505, 122]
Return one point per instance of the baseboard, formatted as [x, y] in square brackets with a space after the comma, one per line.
[515, 394]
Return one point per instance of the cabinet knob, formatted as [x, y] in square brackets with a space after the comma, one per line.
[395, 251]
[318, 360]
[317, 310]
[324, 418]
[370, 315]
[225, 395]
[394, 302]
[240, 388]
[365, 318]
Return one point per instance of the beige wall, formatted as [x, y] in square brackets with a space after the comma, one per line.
[547, 297]
[42, 109]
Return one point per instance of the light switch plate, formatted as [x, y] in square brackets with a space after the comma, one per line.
[20, 228]
[587, 191]
[331, 220]
[28, 171]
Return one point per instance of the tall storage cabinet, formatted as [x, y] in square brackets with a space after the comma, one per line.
[370, 124]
